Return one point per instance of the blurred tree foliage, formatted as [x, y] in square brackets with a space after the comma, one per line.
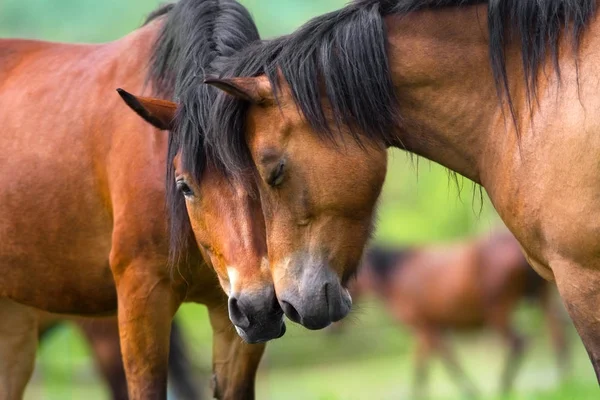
[98, 21]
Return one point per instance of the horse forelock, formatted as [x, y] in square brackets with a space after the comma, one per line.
[194, 36]
[345, 52]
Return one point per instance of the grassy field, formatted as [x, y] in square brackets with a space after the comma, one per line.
[371, 359]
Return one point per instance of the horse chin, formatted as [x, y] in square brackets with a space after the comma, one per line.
[263, 334]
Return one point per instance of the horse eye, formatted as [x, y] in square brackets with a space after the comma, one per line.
[277, 174]
[184, 188]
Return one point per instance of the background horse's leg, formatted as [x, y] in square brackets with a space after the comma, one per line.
[103, 337]
[503, 287]
[234, 361]
[579, 287]
[516, 347]
[146, 308]
[422, 356]
[556, 326]
[18, 344]
[452, 365]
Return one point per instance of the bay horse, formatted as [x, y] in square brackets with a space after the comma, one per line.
[102, 335]
[502, 92]
[86, 200]
[460, 286]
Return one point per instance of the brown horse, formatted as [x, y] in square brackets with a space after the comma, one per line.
[83, 228]
[416, 74]
[102, 334]
[469, 285]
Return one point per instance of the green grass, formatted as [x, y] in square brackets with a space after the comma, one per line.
[371, 359]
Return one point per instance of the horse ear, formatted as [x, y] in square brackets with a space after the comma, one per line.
[157, 112]
[256, 90]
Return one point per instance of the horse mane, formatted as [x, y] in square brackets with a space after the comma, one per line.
[194, 36]
[344, 54]
[382, 262]
[159, 12]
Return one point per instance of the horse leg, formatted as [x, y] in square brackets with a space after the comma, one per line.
[18, 344]
[516, 346]
[556, 327]
[103, 336]
[422, 356]
[147, 305]
[453, 367]
[579, 288]
[234, 362]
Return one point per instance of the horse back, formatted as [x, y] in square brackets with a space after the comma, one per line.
[74, 162]
[14, 51]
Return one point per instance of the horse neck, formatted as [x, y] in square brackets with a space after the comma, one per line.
[442, 76]
[133, 53]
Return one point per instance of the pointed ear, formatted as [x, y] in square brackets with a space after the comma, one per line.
[159, 113]
[256, 90]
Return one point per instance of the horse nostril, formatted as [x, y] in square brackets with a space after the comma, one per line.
[236, 315]
[275, 306]
[290, 311]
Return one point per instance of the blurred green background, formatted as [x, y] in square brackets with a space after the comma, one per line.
[373, 359]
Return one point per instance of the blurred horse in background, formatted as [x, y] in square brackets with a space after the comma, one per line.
[102, 335]
[468, 285]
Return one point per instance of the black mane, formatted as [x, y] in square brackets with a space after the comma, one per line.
[195, 35]
[345, 52]
[159, 12]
